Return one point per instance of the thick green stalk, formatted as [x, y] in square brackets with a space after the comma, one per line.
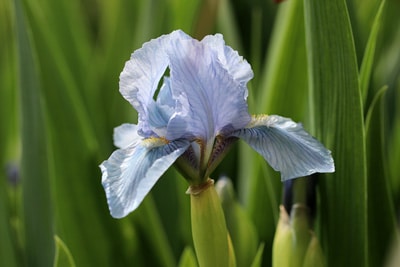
[210, 235]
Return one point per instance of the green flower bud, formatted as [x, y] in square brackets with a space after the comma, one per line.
[241, 228]
[314, 255]
[295, 245]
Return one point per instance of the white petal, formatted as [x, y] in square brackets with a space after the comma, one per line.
[125, 135]
[287, 147]
[130, 173]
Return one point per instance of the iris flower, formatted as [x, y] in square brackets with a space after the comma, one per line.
[190, 97]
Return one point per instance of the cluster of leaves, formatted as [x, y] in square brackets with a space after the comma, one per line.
[332, 64]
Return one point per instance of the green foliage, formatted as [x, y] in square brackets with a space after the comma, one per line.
[188, 258]
[257, 262]
[37, 212]
[322, 63]
[367, 62]
[63, 257]
[241, 229]
[339, 124]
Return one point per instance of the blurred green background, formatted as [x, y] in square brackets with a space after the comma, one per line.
[333, 65]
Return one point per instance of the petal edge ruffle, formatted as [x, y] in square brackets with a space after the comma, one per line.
[130, 173]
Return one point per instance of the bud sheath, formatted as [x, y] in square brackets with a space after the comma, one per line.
[210, 235]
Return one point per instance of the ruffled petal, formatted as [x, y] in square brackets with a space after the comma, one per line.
[130, 173]
[208, 89]
[165, 98]
[230, 60]
[141, 75]
[126, 135]
[163, 115]
[286, 146]
[215, 100]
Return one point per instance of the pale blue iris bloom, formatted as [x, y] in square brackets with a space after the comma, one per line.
[192, 118]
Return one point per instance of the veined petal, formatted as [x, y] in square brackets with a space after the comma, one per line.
[126, 135]
[230, 60]
[163, 115]
[286, 146]
[130, 173]
[141, 75]
[165, 98]
[216, 101]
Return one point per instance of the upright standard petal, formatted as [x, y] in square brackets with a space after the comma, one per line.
[215, 100]
[142, 73]
[286, 146]
[230, 60]
[130, 173]
[163, 119]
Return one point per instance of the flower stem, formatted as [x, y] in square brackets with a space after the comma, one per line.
[210, 235]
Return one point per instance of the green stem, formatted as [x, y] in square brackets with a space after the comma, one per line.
[210, 235]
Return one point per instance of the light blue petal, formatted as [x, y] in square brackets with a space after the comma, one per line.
[212, 100]
[125, 135]
[166, 116]
[158, 116]
[287, 147]
[141, 75]
[130, 173]
[177, 128]
[208, 86]
[165, 98]
[236, 66]
[163, 118]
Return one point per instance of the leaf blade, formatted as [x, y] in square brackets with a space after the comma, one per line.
[63, 257]
[338, 122]
[369, 53]
[35, 174]
[381, 215]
